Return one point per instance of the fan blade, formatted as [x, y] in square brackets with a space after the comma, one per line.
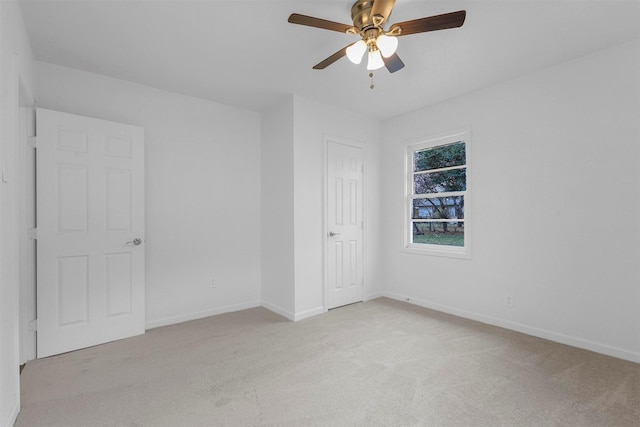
[310, 21]
[431, 23]
[333, 58]
[382, 8]
[393, 63]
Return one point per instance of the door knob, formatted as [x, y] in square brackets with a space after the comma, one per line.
[331, 234]
[136, 242]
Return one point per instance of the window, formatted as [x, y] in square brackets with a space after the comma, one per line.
[437, 196]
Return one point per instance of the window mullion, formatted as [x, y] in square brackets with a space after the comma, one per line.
[438, 195]
[450, 168]
[438, 220]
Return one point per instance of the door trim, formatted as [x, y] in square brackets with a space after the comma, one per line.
[26, 180]
[325, 203]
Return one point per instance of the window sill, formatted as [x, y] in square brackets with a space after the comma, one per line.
[442, 252]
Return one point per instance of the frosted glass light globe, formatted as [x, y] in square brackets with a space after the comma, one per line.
[375, 60]
[387, 45]
[355, 52]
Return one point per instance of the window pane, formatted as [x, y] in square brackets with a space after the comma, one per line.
[440, 182]
[443, 156]
[439, 233]
[439, 208]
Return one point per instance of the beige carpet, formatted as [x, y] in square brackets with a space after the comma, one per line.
[379, 363]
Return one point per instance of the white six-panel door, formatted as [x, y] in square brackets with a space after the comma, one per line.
[90, 231]
[344, 210]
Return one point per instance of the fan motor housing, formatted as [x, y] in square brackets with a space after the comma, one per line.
[361, 14]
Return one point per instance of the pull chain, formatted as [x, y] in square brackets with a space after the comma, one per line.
[372, 85]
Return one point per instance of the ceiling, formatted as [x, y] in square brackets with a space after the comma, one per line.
[244, 53]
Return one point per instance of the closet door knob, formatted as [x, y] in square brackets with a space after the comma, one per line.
[136, 242]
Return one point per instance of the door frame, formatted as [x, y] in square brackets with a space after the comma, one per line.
[26, 179]
[325, 205]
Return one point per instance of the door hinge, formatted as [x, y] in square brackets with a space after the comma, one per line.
[33, 325]
[32, 141]
[33, 233]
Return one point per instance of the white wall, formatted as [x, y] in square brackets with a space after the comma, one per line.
[220, 205]
[556, 203]
[202, 190]
[293, 174]
[278, 280]
[15, 67]
[313, 123]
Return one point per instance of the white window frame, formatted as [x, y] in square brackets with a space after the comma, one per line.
[463, 252]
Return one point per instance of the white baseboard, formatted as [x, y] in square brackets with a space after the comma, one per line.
[293, 316]
[172, 320]
[278, 310]
[309, 313]
[12, 416]
[525, 329]
[374, 296]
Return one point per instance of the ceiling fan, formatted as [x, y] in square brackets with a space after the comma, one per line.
[369, 17]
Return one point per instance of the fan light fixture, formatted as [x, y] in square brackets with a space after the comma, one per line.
[382, 46]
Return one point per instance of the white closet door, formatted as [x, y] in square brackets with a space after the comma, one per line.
[345, 205]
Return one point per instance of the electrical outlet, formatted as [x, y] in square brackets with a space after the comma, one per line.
[212, 283]
[508, 301]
